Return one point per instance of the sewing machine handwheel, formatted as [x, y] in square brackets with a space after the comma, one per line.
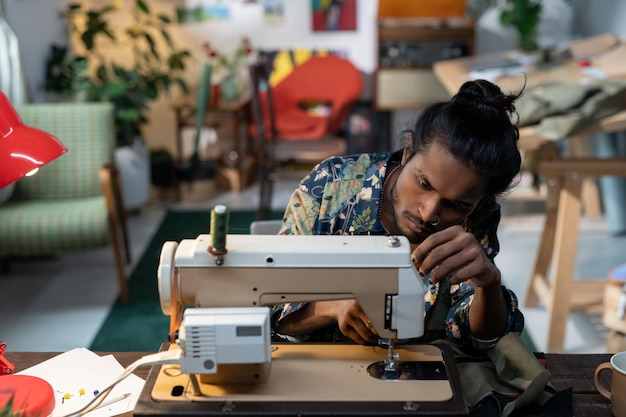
[165, 276]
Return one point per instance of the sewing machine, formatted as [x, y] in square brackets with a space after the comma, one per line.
[228, 363]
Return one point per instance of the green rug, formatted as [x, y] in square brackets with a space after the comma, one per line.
[140, 325]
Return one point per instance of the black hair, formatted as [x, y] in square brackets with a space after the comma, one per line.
[476, 126]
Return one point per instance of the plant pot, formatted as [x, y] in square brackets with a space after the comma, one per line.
[133, 164]
[162, 174]
[161, 168]
[230, 87]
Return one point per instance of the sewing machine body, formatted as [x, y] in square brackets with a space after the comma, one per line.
[261, 270]
[223, 371]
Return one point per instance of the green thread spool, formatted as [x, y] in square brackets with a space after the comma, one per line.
[219, 229]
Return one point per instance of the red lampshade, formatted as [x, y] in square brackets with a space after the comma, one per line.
[23, 149]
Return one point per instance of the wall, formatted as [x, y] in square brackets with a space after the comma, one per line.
[37, 24]
[294, 31]
[599, 16]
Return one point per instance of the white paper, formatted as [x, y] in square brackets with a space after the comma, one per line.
[81, 369]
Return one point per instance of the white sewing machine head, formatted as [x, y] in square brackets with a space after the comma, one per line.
[262, 270]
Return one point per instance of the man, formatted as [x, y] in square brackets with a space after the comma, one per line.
[440, 192]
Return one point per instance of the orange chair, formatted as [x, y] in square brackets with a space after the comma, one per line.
[297, 120]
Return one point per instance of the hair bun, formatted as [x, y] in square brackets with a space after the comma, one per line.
[488, 94]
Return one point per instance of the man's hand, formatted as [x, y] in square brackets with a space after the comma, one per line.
[455, 253]
[352, 321]
[347, 314]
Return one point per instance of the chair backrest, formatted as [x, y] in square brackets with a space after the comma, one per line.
[88, 131]
[328, 79]
[325, 79]
[265, 227]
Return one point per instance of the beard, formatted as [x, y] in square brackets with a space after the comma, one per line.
[411, 235]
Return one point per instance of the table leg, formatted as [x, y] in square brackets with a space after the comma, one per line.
[538, 286]
[590, 196]
[565, 243]
[562, 293]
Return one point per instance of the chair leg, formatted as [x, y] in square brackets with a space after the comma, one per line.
[265, 199]
[119, 263]
[121, 214]
[108, 184]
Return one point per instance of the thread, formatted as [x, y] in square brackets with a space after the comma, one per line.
[219, 229]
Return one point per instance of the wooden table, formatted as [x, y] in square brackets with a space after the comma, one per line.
[575, 371]
[570, 183]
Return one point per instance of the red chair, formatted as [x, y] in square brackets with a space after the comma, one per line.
[297, 120]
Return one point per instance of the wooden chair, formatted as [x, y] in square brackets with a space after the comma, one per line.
[286, 132]
[74, 202]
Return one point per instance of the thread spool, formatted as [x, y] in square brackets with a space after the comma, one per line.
[219, 230]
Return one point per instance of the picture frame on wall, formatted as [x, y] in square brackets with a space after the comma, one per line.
[333, 15]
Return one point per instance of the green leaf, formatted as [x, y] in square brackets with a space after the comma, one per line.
[142, 6]
[167, 38]
[152, 45]
[129, 114]
[180, 15]
[182, 85]
[113, 89]
[164, 18]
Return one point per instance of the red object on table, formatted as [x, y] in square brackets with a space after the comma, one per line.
[31, 396]
[6, 367]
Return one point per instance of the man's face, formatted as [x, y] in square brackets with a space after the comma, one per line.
[433, 185]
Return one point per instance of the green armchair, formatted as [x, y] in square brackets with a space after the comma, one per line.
[74, 202]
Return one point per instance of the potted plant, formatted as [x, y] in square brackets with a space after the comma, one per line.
[523, 16]
[161, 167]
[97, 68]
[229, 72]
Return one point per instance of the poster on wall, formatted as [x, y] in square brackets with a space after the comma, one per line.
[273, 11]
[332, 15]
[204, 10]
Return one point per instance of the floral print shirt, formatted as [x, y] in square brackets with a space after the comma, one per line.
[341, 195]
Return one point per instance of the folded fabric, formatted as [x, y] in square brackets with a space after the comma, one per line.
[557, 110]
[509, 369]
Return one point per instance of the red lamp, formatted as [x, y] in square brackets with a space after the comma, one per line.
[23, 149]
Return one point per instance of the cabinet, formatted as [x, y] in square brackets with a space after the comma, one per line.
[406, 50]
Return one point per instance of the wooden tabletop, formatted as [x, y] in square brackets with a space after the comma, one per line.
[568, 371]
[453, 73]
[577, 371]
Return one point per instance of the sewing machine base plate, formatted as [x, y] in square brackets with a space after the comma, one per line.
[314, 379]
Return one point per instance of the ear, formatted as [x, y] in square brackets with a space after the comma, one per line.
[407, 151]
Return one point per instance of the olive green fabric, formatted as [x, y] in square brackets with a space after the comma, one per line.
[62, 208]
[557, 110]
[509, 368]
